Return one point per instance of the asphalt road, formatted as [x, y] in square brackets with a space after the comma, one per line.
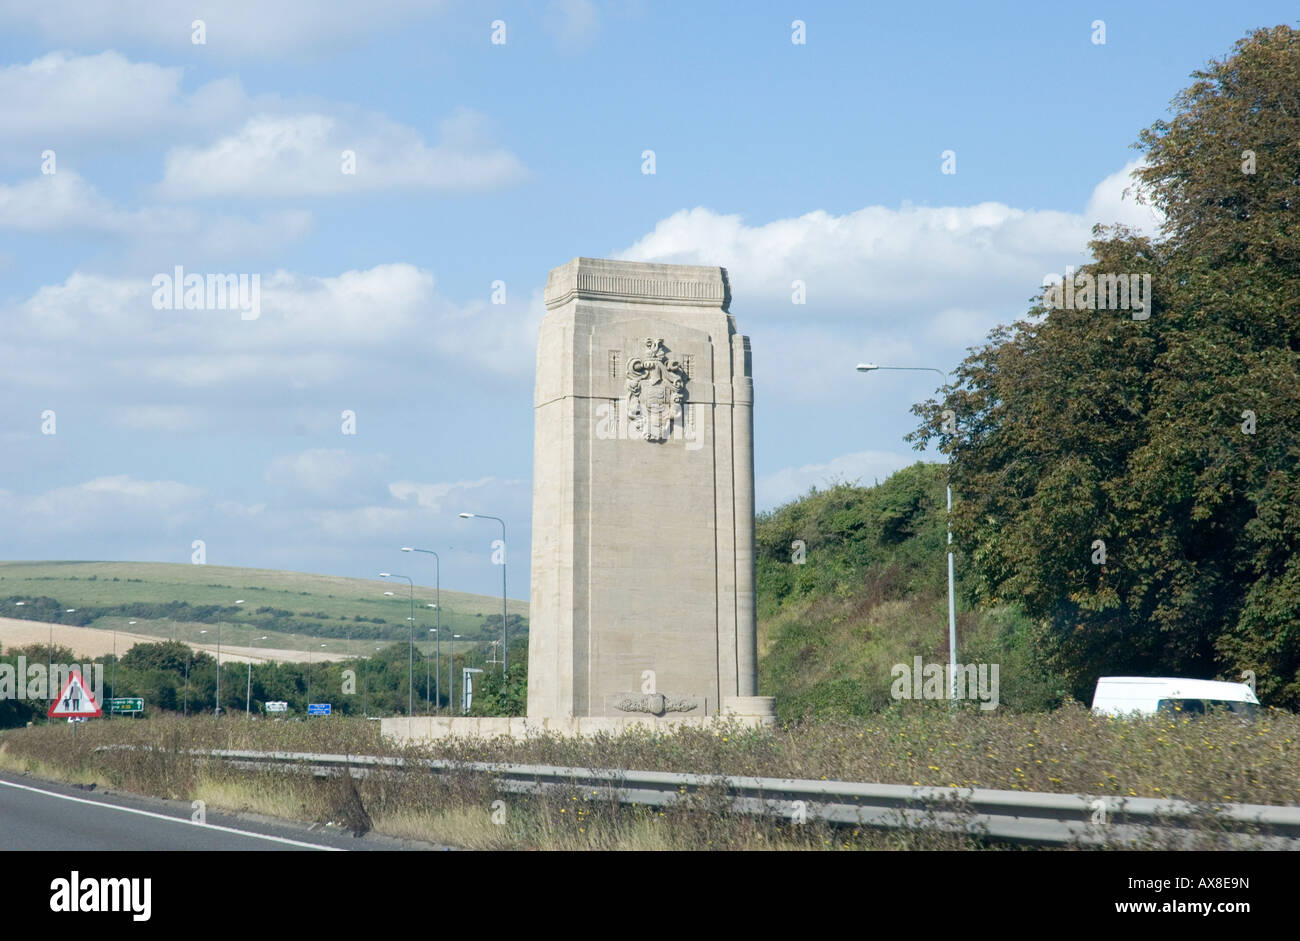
[44, 815]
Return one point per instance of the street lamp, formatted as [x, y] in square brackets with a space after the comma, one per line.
[437, 664]
[187, 679]
[248, 694]
[427, 701]
[309, 653]
[240, 601]
[952, 604]
[451, 675]
[410, 674]
[437, 605]
[504, 640]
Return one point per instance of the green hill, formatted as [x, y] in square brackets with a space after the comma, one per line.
[290, 608]
[870, 591]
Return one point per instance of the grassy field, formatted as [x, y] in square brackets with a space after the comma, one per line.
[93, 643]
[321, 604]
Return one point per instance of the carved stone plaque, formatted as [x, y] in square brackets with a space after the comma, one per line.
[656, 704]
[656, 388]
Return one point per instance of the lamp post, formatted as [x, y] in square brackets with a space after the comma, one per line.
[437, 669]
[248, 694]
[187, 687]
[365, 688]
[504, 639]
[952, 604]
[240, 601]
[410, 675]
[451, 675]
[437, 606]
[427, 683]
[390, 594]
[309, 653]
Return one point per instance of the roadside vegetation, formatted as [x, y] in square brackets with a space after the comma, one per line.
[1209, 761]
[1069, 750]
[852, 581]
[174, 679]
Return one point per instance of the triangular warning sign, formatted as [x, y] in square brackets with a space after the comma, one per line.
[76, 701]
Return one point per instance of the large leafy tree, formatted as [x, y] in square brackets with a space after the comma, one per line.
[1175, 440]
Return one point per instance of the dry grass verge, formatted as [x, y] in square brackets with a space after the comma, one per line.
[1209, 761]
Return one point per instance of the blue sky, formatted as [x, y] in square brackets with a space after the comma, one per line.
[480, 162]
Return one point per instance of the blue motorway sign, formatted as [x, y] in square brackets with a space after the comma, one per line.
[318, 709]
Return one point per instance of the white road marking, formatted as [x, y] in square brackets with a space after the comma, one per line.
[184, 820]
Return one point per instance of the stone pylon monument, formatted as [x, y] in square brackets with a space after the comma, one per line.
[643, 497]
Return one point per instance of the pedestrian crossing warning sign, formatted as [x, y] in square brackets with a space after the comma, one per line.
[76, 701]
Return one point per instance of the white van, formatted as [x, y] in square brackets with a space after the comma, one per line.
[1167, 695]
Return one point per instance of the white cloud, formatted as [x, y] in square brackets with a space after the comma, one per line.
[310, 330]
[61, 99]
[301, 155]
[323, 472]
[875, 263]
[104, 94]
[256, 147]
[433, 496]
[200, 235]
[501, 338]
[85, 306]
[366, 522]
[1108, 204]
[104, 503]
[961, 268]
[864, 467]
[59, 201]
[378, 302]
[66, 202]
[235, 28]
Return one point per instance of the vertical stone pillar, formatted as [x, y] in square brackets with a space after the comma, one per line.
[643, 496]
[746, 615]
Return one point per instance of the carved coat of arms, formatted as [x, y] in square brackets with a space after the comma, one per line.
[656, 388]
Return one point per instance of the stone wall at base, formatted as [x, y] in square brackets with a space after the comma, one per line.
[428, 728]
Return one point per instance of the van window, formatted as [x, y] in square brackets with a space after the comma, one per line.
[1199, 707]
